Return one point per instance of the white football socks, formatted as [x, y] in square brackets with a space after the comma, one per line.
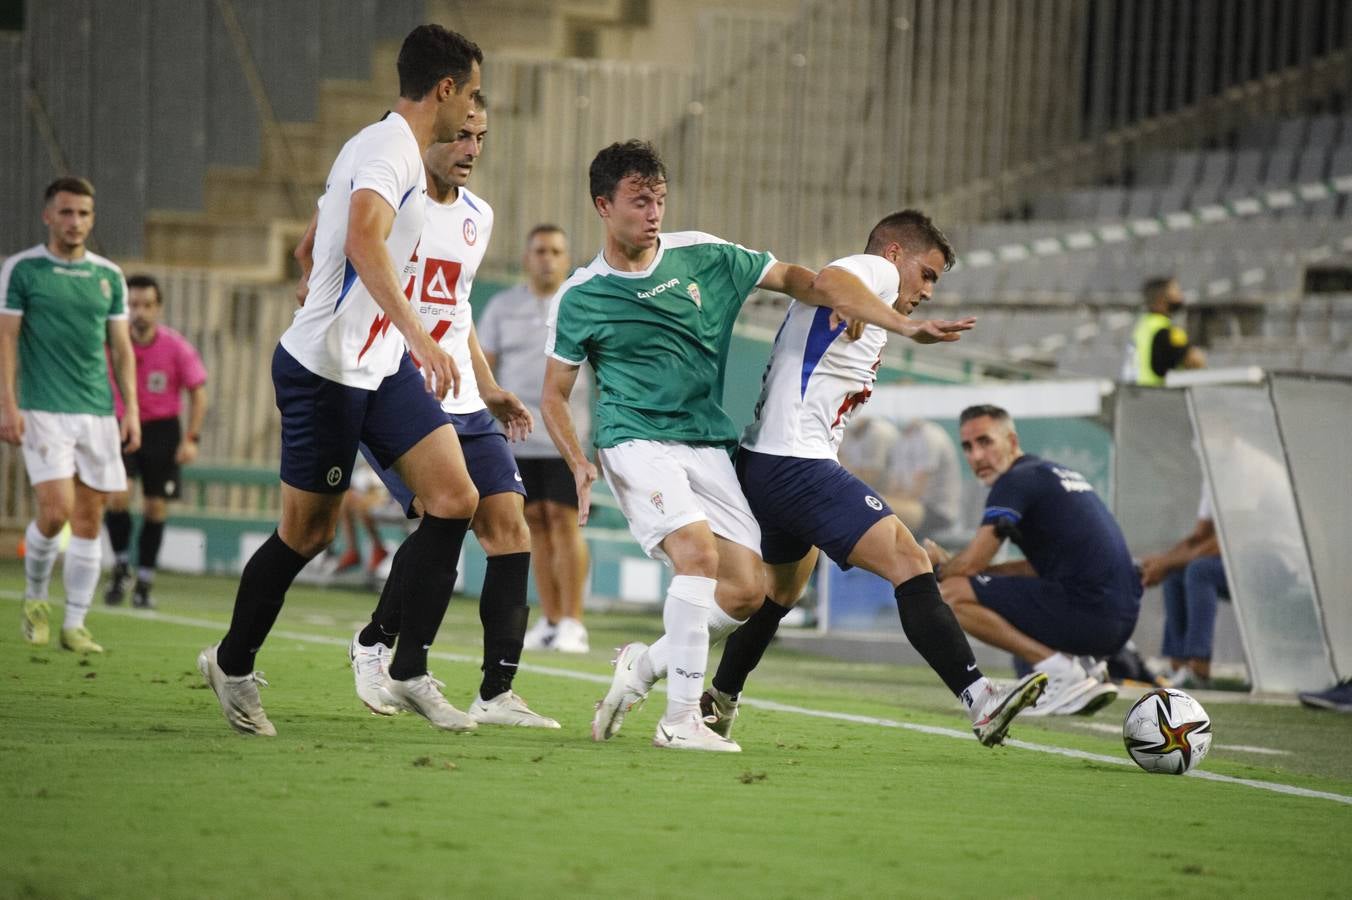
[39, 556]
[80, 575]
[651, 667]
[686, 618]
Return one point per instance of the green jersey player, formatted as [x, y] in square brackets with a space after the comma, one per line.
[653, 315]
[62, 305]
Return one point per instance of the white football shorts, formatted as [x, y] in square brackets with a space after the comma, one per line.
[662, 486]
[63, 445]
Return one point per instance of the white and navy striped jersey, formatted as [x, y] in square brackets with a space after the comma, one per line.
[341, 333]
[816, 377]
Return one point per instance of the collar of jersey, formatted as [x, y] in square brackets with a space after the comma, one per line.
[62, 261]
[605, 268]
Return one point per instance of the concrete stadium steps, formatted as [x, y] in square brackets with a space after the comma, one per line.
[259, 247]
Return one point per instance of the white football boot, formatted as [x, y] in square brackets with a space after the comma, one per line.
[237, 694]
[370, 670]
[508, 708]
[692, 732]
[627, 692]
[1066, 692]
[993, 712]
[422, 695]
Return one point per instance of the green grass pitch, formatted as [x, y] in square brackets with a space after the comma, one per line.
[120, 778]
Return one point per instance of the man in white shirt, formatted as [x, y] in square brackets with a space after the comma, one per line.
[341, 379]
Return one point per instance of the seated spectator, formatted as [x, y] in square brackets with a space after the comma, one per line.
[1193, 578]
[1076, 592]
[922, 483]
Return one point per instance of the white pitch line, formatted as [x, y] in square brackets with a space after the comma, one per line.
[1241, 748]
[939, 731]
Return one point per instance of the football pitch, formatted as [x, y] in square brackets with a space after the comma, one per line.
[121, 779]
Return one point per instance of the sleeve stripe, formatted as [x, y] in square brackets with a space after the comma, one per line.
[1000, 512]
[564, 359]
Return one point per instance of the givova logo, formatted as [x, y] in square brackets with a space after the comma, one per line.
[660, 289]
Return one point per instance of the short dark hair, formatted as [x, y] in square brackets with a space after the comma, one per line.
[544, 228]
[913, 230]
[1153, 288]
[431, 53]
[146, 281]
[69, 184]
[998, 413]
[620, 160]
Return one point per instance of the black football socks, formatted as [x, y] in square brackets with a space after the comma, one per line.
[934, 632]
[745, 647]
[262, 589]
[503, 612]
[430, 555]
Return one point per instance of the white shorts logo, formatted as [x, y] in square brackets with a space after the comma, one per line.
[335, 475]
[873, 502]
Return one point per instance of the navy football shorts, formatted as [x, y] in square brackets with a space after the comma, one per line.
[805, 503]
[1050, 613]
[324, 421]
[488, 458]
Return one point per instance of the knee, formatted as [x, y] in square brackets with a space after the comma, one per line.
[445, 503]
[701, 561]
[499, 537]
[741, 597]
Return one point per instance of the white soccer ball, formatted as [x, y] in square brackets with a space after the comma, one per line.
[1167, 732]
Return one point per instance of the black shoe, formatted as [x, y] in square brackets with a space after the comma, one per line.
[117, 585]
[1337, 698]
[140, 596]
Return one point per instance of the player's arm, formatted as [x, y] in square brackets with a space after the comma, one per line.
[124, 369]
[305, 256]
[11, 420]
[973, 559]
[197, 414]
[560, 377]
[1201, 541]
[505, 406]
[369, 221]
[850, 299]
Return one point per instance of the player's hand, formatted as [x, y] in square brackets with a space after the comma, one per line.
[439, 370]
[508, 409]
[11, 425]
[1153, 570]
[853, 328]
[937, 555]
[131, 433]
[186, 453]
[936, 331]
[584, 476]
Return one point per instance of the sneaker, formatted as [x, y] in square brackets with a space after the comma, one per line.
[422, 695]
[140, 596]
[993, 713]
[1337, 698]
[378, 554]
[1064, 689]
[1184, 678]
[541, 635]
[570, 636]
[35, 627]
[508, 708]
[692, 732]
[1090, 701]
[719, 710]
[627, 693]
[349, 560]
[117, 585]
[79, 640]
[238, 695]
[370, 669]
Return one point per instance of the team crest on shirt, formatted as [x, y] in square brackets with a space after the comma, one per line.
[471, 231]
[873, 502]
[657, 502]
[107, 289]
[693, 291]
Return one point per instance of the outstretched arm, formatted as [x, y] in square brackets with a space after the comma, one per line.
[850, 299]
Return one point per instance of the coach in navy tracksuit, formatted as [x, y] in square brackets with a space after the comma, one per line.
[1075, 593]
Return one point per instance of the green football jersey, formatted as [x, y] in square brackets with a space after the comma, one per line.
[65, 307]
[658, 339]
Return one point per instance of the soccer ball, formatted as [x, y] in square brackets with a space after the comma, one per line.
[1167, 732]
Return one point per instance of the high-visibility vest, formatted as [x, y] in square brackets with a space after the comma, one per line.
[1143, 340]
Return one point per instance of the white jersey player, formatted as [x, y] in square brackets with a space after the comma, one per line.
[804, 499]
[437, 282]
